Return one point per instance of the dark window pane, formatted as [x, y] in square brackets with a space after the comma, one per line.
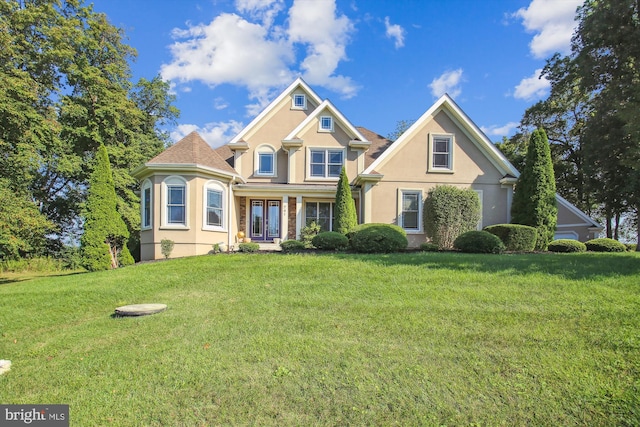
[266, 163]
[317, 170]
[441, 160]
[214, 199]
[317, 157]
[335, 157]
[176, 214]
[410, 220]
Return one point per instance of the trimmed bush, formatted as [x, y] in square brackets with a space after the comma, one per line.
[378, 238]
[330, 241]
[292, 246]
[429, 247]
[631, 247]
[248, 247]
[566, 245]
[605, 245]
[448, 212]
[479, 242]
[516, 237]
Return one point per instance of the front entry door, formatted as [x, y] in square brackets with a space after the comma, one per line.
[265, 220]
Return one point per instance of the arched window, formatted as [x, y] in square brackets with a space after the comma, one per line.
[214, 206]
[265, 161]
[146, 205]
[175, 202]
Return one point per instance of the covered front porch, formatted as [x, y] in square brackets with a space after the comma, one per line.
[268, 214]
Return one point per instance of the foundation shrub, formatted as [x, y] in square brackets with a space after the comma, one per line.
[566, 245]
[330, 241]
[479, 242]
[605, 244]
[516, 237]
[378, 238]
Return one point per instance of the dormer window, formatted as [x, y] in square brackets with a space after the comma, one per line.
[326, 124]
[299, 102]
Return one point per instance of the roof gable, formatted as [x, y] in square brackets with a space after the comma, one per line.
[340, 119]
[299, 83]
[473, 132]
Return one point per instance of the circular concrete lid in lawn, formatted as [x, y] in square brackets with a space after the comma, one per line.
[140, 309]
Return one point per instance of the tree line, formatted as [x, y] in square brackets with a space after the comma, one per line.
[65, 91]
[592, 115]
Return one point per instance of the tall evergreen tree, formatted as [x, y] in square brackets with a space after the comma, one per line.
[534, 201]
[345, 218]
[105, 234]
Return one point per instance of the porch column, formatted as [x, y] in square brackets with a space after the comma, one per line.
[284, 214]
[366, 203]
[298, 216]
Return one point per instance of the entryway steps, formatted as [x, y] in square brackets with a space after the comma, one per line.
[270, 247]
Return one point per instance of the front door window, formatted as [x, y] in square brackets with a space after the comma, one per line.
[265, 219]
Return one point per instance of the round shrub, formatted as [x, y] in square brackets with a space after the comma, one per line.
[516, 237]
[605, 245]
[292, 246]
[378, 238]
[479, 242]
[566, 245]
[248, 247]
[429, 247]
[330, 241]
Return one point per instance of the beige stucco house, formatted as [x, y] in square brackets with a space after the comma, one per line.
[280, 173]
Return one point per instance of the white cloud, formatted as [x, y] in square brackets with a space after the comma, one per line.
[264, 10]
[448, 82]
[553, 23]
[495, 130]
[326, 35]
[394, 31]
[246, 49]
[532, 87]
[216, 133]
[219, 103]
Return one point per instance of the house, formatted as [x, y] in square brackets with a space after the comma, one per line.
[280, 173]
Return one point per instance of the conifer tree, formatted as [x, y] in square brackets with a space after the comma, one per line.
[534, 201]
[345, 218]
[105, 233]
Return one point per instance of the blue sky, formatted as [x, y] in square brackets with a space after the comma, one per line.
[378, 61]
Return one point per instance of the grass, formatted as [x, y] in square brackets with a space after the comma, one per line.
[333, 339]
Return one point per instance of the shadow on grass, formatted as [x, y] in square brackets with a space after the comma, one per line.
[571, 266]
[8, 278]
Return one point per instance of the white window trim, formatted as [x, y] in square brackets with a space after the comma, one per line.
[298, 107]
[165, 198]
[481, 222]
[217, 186]
[323, 129]
[308, 175]
[401, 192]
[430, 166]
[265, 149]
[146, 184]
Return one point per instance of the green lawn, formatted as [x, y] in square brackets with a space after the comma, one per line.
[333, 339]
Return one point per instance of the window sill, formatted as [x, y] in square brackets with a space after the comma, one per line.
[174, 227]
[212, 228]
[413, 231]
[434, 170]
[319, 178]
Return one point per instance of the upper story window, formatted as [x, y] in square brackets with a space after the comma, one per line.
[175, 201]
[326, 124]
[146, 205]
[299, 102]
[325, 163]
[214, 207]
[410, 207]
[265, 161]
[440, 153]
